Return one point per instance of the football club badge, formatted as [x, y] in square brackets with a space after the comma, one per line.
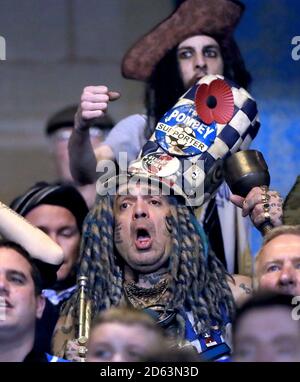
[181, 132]
[160, 164]
[209, 341]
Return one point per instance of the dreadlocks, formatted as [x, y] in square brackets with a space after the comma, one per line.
[197, 283]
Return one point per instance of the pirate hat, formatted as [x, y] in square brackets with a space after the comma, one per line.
[192, 17]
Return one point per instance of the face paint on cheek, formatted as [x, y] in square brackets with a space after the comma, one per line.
[118, 238]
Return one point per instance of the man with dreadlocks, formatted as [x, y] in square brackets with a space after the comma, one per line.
[195, 40]
[143, 247]
[146, 250]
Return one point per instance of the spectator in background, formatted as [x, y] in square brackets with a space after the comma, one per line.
[21, 281]
[59, 211]
[21, 302]
[129, 335]
[124, 335]
[59, 129]
[277, 265]
[41, 247]
[267, 329]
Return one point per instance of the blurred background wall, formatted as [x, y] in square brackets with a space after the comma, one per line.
[265, 35]
[56, 47]
[53, 49]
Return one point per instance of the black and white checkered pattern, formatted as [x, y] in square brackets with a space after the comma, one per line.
[239, 132]
[236, 135]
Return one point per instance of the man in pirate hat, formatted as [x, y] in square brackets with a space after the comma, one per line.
[196, 40]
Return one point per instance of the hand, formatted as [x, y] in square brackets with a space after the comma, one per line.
[261, 205]
[93, 104]
[72, 351]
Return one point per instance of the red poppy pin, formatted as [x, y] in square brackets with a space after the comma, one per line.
[214, 102]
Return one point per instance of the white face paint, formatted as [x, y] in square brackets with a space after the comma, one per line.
[198, 56]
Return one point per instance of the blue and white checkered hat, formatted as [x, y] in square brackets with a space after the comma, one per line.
[187, 154]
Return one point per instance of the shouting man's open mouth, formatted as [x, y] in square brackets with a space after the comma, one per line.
[143, 239]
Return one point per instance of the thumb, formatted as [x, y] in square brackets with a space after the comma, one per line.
[237, 200]
[113, 95]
